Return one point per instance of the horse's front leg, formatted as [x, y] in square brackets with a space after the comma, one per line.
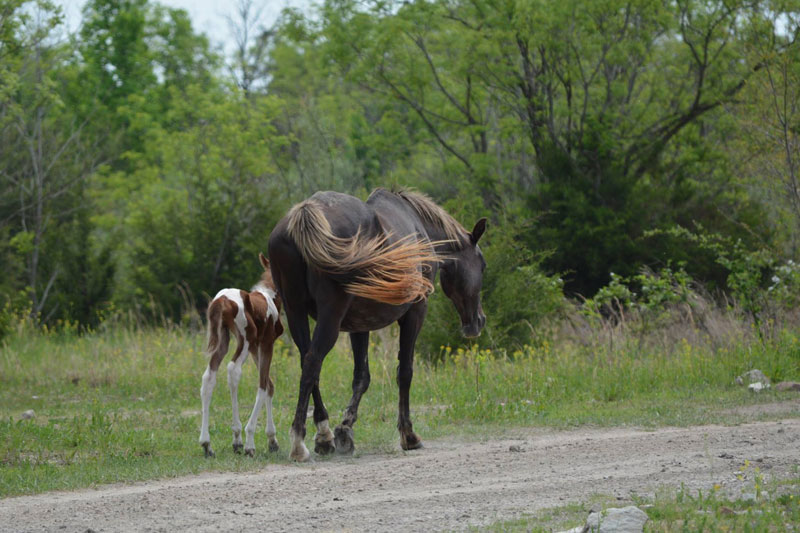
[410, 325]
[344, 431]
[298, 327]
[325, 334]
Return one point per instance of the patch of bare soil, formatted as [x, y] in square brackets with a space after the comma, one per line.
[448, 485]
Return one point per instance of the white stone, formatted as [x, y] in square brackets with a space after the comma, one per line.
[629, 519]
[752, 376]
[27, 415]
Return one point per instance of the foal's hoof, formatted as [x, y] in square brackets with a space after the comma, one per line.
[207, 451]
[250, 452]
[238, 447]
[324, 447]
[410, 441]
[343, 436]
[273, 446]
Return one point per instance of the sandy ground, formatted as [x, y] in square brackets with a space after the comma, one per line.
[448, 485]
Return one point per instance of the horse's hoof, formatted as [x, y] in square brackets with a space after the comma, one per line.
[250, 452]
[343, 437]
[324, 447]
[273, 446]
[237, 448]
[207, 451]
[301, 454]
[410, 441]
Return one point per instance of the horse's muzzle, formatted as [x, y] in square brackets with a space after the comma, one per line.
[474, 328]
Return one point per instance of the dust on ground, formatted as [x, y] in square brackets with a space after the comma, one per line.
[448, 485]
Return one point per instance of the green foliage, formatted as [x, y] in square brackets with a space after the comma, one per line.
[520, 301]
[135, 170]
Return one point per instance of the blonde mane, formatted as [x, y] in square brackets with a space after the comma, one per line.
[428, 210]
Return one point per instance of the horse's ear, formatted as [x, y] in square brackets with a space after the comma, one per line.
[477, 231]
[264, 261]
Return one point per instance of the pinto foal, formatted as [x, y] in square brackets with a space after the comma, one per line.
[254, 319]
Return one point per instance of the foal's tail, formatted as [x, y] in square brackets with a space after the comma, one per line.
[389, 273]
[217, 334]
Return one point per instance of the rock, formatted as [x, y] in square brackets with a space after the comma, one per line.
[752, 376]
[629, 519]
[757, 386]
[788, 385]
[516, 448]
[27, 415]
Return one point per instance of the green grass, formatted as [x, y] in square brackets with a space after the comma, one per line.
[774, 506]
[122, 405]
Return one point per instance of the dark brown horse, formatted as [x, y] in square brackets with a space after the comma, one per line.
[357, 267]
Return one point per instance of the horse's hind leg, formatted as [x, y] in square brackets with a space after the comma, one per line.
[265, 382]
[263, 396]
[344, 431]
[234, 375]
[207, 386]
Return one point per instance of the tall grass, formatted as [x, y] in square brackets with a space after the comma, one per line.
[122, 403]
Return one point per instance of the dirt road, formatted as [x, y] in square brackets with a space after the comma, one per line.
[448, 485]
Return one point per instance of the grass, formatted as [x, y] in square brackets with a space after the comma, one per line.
[122, 404]
[773, 506]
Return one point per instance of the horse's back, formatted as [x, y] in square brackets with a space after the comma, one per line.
[347, 216]
[229, 305]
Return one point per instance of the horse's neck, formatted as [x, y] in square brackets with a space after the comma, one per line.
[437, 235]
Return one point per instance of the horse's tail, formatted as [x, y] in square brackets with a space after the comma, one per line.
[217, 334]
[389, 273]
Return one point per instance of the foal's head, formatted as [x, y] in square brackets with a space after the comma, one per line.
[461, 278]
[266, 276]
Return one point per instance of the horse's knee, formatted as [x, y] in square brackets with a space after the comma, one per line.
[404, 376]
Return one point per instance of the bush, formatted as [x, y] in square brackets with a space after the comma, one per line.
[521, 302]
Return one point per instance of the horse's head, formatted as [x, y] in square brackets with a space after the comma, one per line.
[461, 278]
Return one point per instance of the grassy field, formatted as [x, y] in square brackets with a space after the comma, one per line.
[123, 404]
[774, 506]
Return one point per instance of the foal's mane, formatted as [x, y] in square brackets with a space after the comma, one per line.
[430, 211]
[266, 280]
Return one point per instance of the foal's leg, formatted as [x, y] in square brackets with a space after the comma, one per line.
[410, 325]
[250, 428]
[325, 334]
[264, 395]
[234, 375]
[298, 327]
[207, 387]
[344, 431]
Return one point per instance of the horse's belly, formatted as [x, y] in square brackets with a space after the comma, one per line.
[368, 315]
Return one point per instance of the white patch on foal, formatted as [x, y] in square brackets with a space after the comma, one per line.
[250, 428]
[269, 295]
[206, 390]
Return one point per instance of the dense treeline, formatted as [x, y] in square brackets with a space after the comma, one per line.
[141, 170]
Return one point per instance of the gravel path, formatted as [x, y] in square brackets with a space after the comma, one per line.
[448, 485]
